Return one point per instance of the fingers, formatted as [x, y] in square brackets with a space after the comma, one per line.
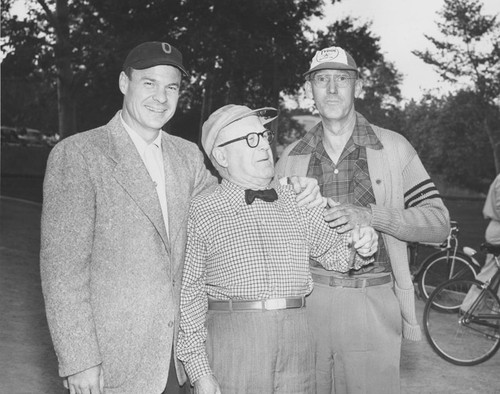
[331, 202]
[89, 381]
[295, 182]
[308, 193]
[355, 236]
[337, 217]
[367, 244]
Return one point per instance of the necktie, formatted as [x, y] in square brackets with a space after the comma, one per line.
[268, 195]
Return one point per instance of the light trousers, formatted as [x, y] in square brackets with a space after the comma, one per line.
[358, 339]
[261, 352]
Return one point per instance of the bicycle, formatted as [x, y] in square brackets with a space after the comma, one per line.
[443, 265]
[470, 336]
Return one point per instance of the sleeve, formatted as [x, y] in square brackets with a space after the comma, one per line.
[67, 231]
[204, 180]
[331, 249]
[194, 306]
[424, 217]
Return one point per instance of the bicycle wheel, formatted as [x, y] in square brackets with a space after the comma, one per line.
[439, 268]
[463, 338]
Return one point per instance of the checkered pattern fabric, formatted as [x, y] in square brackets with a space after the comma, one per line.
[249, 252]
[348, 181]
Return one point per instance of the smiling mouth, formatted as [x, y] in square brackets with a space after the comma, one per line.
[156, 110]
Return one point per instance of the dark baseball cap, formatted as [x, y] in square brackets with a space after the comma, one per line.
[154, 53]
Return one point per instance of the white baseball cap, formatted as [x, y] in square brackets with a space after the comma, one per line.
[334, 58]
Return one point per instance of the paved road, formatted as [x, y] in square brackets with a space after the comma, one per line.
[28, 364]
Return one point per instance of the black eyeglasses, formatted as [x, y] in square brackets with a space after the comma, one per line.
[252, 139]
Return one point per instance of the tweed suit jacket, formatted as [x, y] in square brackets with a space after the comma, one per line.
[110, 273]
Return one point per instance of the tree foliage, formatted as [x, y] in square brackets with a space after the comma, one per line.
[469, 52]
[445, 133]
[237, 51]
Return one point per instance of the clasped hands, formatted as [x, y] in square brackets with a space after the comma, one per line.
[342, 217]
[356, 219]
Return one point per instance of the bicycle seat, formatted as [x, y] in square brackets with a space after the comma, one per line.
[490, 248]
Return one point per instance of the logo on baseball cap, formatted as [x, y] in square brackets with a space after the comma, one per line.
[334, 58]
[154, 53]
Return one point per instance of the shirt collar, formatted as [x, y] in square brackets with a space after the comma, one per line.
[139, 143]
[236, 194]
[363, 135]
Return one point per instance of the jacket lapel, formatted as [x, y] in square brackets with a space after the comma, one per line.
[131, 173]
[175, 205]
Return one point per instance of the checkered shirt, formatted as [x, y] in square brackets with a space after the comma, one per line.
[249, 252]
[348, 181]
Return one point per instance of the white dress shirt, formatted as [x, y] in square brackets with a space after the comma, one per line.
[151, 155]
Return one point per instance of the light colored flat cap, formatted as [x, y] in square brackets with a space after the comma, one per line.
[227, 115]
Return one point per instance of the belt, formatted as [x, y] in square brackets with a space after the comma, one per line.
[351, 282]
[260, 305]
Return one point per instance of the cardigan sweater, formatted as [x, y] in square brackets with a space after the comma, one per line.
[402, 212]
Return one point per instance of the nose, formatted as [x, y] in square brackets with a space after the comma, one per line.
[160, 95]
[263, 143]
[332, 86]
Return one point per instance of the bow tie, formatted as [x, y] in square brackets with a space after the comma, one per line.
[268, 195]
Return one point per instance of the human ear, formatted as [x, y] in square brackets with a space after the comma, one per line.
[219, 155]
[123, 82]
[358, 87]
[308, 90]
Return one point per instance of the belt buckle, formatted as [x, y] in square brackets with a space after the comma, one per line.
[274, 304]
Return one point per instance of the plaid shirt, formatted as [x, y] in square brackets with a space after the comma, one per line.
[347, 181]
[249, 252]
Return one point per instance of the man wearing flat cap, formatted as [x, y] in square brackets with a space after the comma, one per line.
[377, 179]
[114, 217]
[246, 276]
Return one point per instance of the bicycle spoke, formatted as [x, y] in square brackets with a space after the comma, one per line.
[463, 338]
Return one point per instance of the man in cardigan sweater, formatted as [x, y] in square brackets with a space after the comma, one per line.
[371, 176]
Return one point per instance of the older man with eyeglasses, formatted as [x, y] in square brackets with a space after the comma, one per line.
[376, 178]
[243, 326]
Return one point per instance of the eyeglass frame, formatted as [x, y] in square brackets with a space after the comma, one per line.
[335, 78]
[245, 137]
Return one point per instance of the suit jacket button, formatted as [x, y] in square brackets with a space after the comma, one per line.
[170, 323]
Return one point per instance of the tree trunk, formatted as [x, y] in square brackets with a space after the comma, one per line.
[494, 137]
[65, 96]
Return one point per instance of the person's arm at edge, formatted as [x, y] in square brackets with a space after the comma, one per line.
[191, 343]
[67, 230]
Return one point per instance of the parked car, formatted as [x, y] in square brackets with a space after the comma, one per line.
[9, 136]
[26, 136]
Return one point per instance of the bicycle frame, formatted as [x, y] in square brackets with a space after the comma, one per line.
[484, 319]
[450, 246]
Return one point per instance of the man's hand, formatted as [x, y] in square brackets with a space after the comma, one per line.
[207, 385]
[307, 190]
[344, 217]
[364, 240]
[90, 381]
